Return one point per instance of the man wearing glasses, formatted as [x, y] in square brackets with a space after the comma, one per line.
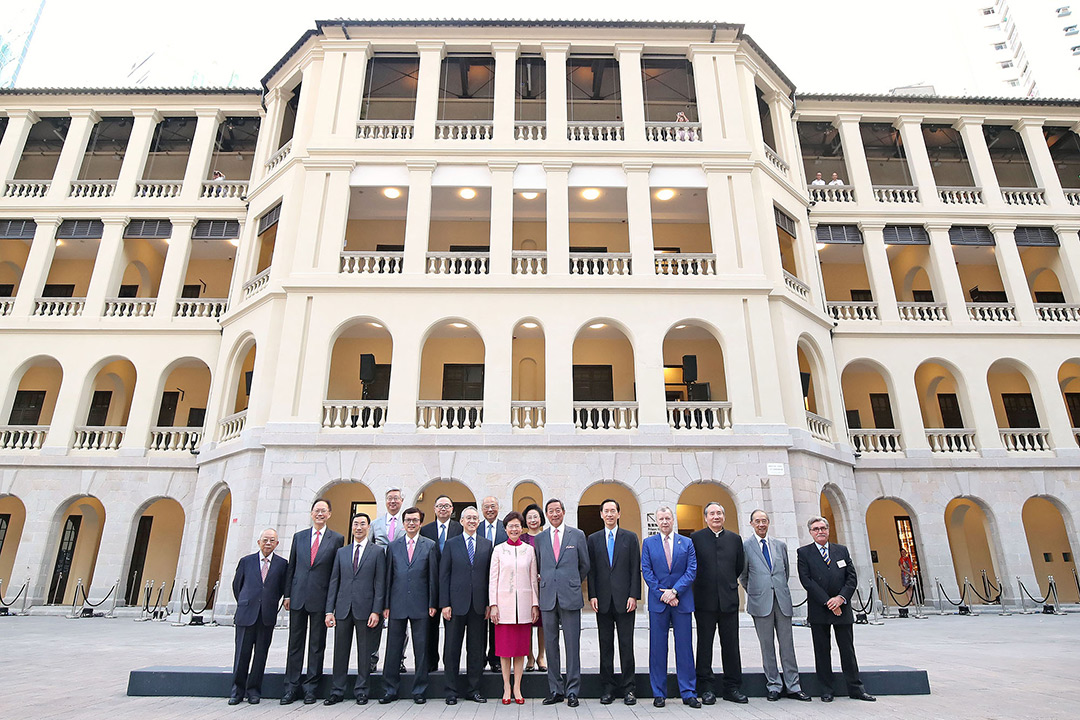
[441, 529]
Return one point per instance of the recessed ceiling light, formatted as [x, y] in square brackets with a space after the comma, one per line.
[590, 193]
[392, 193]
[530, 195]
[375, 325]
[459, 325]
[679, 327]
[467, 193]
[235, 242]
[821, 246]
[59, 243]
[530, 325]
[665, 194]
[597, 326]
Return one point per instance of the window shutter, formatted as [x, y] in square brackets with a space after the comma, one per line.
[1034, 236]
[148, 229]
[80, 230]
[839, 234]
[784, 221]
[17, 229]
[269, 219]
[906, 235]
[216, 230]
[971, 235]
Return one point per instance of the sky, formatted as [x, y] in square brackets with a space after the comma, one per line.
[833, 46]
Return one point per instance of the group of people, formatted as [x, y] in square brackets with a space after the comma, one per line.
[818, 180]
[493, 580]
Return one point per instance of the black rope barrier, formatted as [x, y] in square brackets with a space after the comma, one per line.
[147, 589]
[864, 606]
[157, 601]
[805, 600]
[18, 595]
[894, 595]
[86, 600]
[960, 602]
[206, 605]
[1037, 601]
[987, 600]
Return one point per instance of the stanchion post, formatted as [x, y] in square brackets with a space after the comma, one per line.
[183, 593]
[884, 596]
[916, 593]
[937, 586]
[1001, 597]
[213, 608]
[115, 593]
[1052, 588]
[1020, 592]
[26, 598]
[75, 600]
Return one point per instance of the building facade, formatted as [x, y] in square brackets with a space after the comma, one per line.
[534, 260]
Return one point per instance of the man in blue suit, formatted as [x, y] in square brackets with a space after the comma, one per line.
[669, 566]
[257, 587]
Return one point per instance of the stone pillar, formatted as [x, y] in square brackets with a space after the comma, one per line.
[66, 413]
[141, 416]
[559, 377]
[784, 130]
[176, 263]
[71, 155]
[733, 225]
[982, 417]
[107, 267]
[356, 57]
[704, 59]
[944, 274]
[639, 217]
[1012, 272]
[418, 216]
[404, 385]
[331, 194]
[1069, 255]
[505, 76]
[935, 556]
[269, 130]
[138, 148]
[745, 77]
[1042, 164]
[910, 127]
[202, 151]
[738, 119]
[877, 265]
[18, 128]
[855, 156]
[427, 92]
[501, 244]
[38, 262]
[630, 88]
[982, 167]
[649, 380]
[555, 107]
[558, 218]
[1012, 554]
[905, 401]
[498, 377]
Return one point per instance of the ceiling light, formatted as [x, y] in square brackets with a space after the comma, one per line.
[590, 193]
[235, 242]
[679, 327]
[459, 325]
[59, 243]
[375, 325]
[597, 326]
[467, 193]
[820, 246]
[530, 195]
[392, 193]
[665, 194]
[529, 325]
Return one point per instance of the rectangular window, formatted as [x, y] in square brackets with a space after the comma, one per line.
[854, 422]
[922, 296]
[1035, 236]
[882, 410]
[390, 88]
[1020, 410]
[1054, 297]
[269, 219]
[99, 408]
[191, 292]
[530, 93]
[950, 411]
[170, 399]
[593, 91]
[971, 235]
[196, 417]
[128, 291]
[7, 289]
[784, 221]
[26, 410]
[668, 88]
[593, 383]
[463, 382]
[467, 88]
[861, 296]
[149, 229]
[988, 296]
[906, 235]
[53, 290]
[1072, 402]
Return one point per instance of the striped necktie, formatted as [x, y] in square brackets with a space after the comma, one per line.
[824, 553]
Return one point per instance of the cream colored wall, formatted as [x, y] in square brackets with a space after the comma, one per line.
[457, 492]
[241, 400]
[986, 277]
[341, 497]
[13, 254]
[217, 274]
[612, 235]
[163, 550]
[525, 230]
[1002, 379]
[344, 383]
[47, 378]
[444, 233]
[710, 363]
[841, 278]
[86, 545]
[71, 272]
[440, 351]
[858, 384]
[195, 382]
[9, 504]
[881, 529]
[365, 235]
[1045, 530]
[1043, 268]
[932, 380]
[690, 510]
[968, 531]
[902, 260]
[119, 377]
[525, 494]
[142, 251]
[529, 369]
[615, 352]
[688, 237]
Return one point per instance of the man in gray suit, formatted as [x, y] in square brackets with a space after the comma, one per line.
[768, 600]
[562, 559]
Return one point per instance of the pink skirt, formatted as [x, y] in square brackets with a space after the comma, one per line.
[513, 640]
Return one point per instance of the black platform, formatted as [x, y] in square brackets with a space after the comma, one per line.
[217, 682]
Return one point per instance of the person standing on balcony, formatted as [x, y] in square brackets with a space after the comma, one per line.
[835, 179]
[818, 180]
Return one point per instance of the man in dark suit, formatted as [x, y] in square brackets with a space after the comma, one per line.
[354, 606]
[720, 561]
[562, 560]
[614, 591]
[257, 587]
[311, 561]
[827, 573]
[669, 566]
[492, 528]
[441, 529]
[412, 582]
[464, 572]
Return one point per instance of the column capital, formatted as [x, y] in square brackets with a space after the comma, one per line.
[554, 49]
[1000, 227]
[355, 47]
[153, 114]
[937, 226]
[114, 221]
[637, 167]
[558, 166]
[712, 168]
[182, 221]
[628, 49]
[21, 113]
[966, 120]
[709, 49]
[423, 165]
[502, 165]
[505, 47]
[871, 225]
[327, 164]
[46, 220]
[907, 119]
[846, 118]
[431, 46]
[208, 112]
[273, 95]
[80, 113]
[1060, 228]
[1026, 122]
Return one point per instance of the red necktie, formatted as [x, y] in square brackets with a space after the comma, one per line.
[315, 546]
[555, 542]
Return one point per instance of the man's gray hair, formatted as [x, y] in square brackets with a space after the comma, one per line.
[815, 520]
[665, 508]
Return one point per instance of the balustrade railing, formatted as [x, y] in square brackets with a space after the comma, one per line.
[22, 437]
[528, 414]
[1057, 312]
[1023, 196]
[175, 439]
[594, 131]
[201, 307]
[819, 427]
[158, 189]
[599, 263]
[606, 415]
[130, 307]
[231, 426]
[25, 189]
[6, 306]
[224, 189]
[992, 312]
[354, 414]
[528, 262]
[853, 310]
[59, 307]
[1076, 435]
[450, 415]
[699, 415]
[464, 130]
[685, 264]
[384, 130]
[530, 130]
[375, 263]
[1025, 440]
[279, 157]
[952, 440]
[98, 438]
[831, 193]
[923, 312]
[776, 160]
[92, 188]
[904, 194]
[1072, 197]
[796, 285]
[875, 441]
[960, 195]
[673, 132]
[457, 263]
[256, 284]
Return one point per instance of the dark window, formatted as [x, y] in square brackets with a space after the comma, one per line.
[1050, 296]
[765, 118]
[854, 422]
[922, 296]
[7, 289]
[149, 229]
[5, 520]
[530, 93]
[1072, 402]
[467, 88]
[593, 91]
[216, 230]
[668, 89]
[269, 219]
[1035, 236]
[17, 229]
[950, 410]
[383, 247]
[190, 292]
[861, 296]
[905, 235]
[844, 234]
[51, 291]
[26, 410]
[1020, 410]
[390, 88]
[988, 296]
[784, 221]
[379, 388]
[167, 413]
[970, 235]
[80, 230]
[593, 383]
[99, 408]
[882, 409]
[288, 115]
[138, 559]
[463, 382]
[128, 291]
[64, 555]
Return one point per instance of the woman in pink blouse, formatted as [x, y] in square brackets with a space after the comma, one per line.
[515, 602]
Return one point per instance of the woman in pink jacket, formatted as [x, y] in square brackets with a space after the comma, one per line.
[515, 602]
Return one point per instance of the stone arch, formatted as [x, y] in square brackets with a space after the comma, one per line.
[10, 535]
[690, 507]
[213, 534]
[449, 386]
[598, 344]
[1010, 377]
[191, 377]
[460, 493]
[241, 360]
[1069, 386]
[705, 342]
[40, 372]
[588, 510]
[816, 392]
[859, 386]
[834, 507]
[153, 549]
[115, 374]
[934, 377]
[1049, 528]
[972, 534]
[73, 548]
[345, 497]
[136, 273]
[349, 340]
[525, 493]
[891, 524]
[528, 381]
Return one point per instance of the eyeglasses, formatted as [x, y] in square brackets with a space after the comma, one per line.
[819, 529]
[444, 506]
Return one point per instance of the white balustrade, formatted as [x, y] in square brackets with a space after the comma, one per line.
[536, 130]
[1072, 197]
[699, 415]
[457, 263]
[819, 427]
[594, 131]
[130, 307]
[231, 426]
[875, 441]
[6, 305]
[606, 415]
[1023, 196]
[776, 160]
[224, 189]
[256, 284]
[831, 193]
[1025, 440]
[384, 130]
[852, 310]
[98, 438]
[1057, 312]
[992, 312]
[960, 195]
[175, 439]
[528, 414]
[685, 264]
[92, 188]
[374, 263]
[796, 285]
[450, 415]
[25, 189]
[158, 189]
[464, 130]
[599, 263]
[896, 193]
[943, 440]
[673, 132]
[279, 157]
[22, 437]
[201, 307]
[528, 262]
[58, 307]
[353, 414]
[920, 311]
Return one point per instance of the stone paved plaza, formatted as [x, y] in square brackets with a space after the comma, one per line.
[1021, 666]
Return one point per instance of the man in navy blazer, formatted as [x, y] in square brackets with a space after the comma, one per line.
[257, 586]
[307, 580]
[412, 582]
[441, 529]
[671, 605]
[464, 572]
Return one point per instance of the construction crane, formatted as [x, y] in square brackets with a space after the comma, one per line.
[14, 42]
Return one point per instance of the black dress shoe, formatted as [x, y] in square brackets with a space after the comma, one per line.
[495, 668]
[253, 701]
[361, 699]
[288, 698]
[735, 696]
[402, 669]
[863, 696]
[553, 699]
[606, 699]
[235, 700]
[773, 696]
[629, 699]
[387, 699]
[332, 700]
[310, 700]
[658, 702]
[827, 697]
[571, 700]
[800, 695]
[692, 702]
[477, 698]
[708, 698]
[451, 701]
[419, 700]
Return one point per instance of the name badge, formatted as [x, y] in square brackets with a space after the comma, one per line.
[841, 563]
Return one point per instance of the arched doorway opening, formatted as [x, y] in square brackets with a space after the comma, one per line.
[155, 549]
[358, 385]
[218, 519]
[694, 373]
[528, 388]
[690, 510]
[80, 528]
[1051, 552]
[458, 492]
[834, 509]
[12, 520]
[588, 513]
[605, 396]
[969, 541]
[525, 494]
[347, 498]
[890, 526]
[451, 394]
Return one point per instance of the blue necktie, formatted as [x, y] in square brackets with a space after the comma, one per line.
[611, 547]
[824, 554]
[442, 537]
[472, 550]
[765, 552]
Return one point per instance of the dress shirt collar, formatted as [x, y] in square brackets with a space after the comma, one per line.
[263, 556]
[467, 535]
[362, 545]
[669, 535]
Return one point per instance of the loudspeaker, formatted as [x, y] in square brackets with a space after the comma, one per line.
[247, 382]
[689, 368]
[367, 367]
